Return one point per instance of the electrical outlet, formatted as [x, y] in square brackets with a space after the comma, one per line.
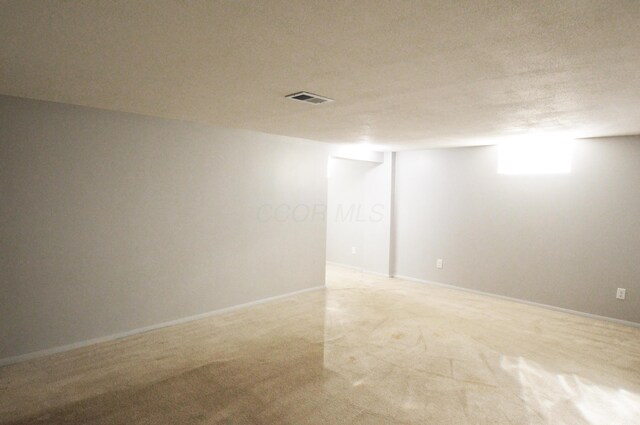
[621, 293]
[353, 249]
[439, 263]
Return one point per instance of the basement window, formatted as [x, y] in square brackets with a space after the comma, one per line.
[535, 157]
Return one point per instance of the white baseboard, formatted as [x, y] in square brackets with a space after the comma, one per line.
[521, 301]
[358, 269]
[46, 352]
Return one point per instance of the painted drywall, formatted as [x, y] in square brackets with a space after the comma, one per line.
[346, 212]
[113, 221]
[378, 198]
[359, 213]
[562, 240]
[356, 153]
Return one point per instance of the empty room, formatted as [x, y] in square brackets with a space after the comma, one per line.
[320, 212]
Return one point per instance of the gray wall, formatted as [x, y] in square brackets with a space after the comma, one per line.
[113, 221]
[563, 240]
[378, 195]
[359, 213]
[346, 212]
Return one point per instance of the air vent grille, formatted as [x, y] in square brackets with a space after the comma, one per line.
[307, 97]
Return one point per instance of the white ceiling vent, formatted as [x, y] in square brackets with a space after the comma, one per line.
[307, 97]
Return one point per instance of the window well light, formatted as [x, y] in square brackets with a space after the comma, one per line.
[535, 157]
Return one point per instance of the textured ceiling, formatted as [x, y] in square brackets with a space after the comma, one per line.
[403, 74]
